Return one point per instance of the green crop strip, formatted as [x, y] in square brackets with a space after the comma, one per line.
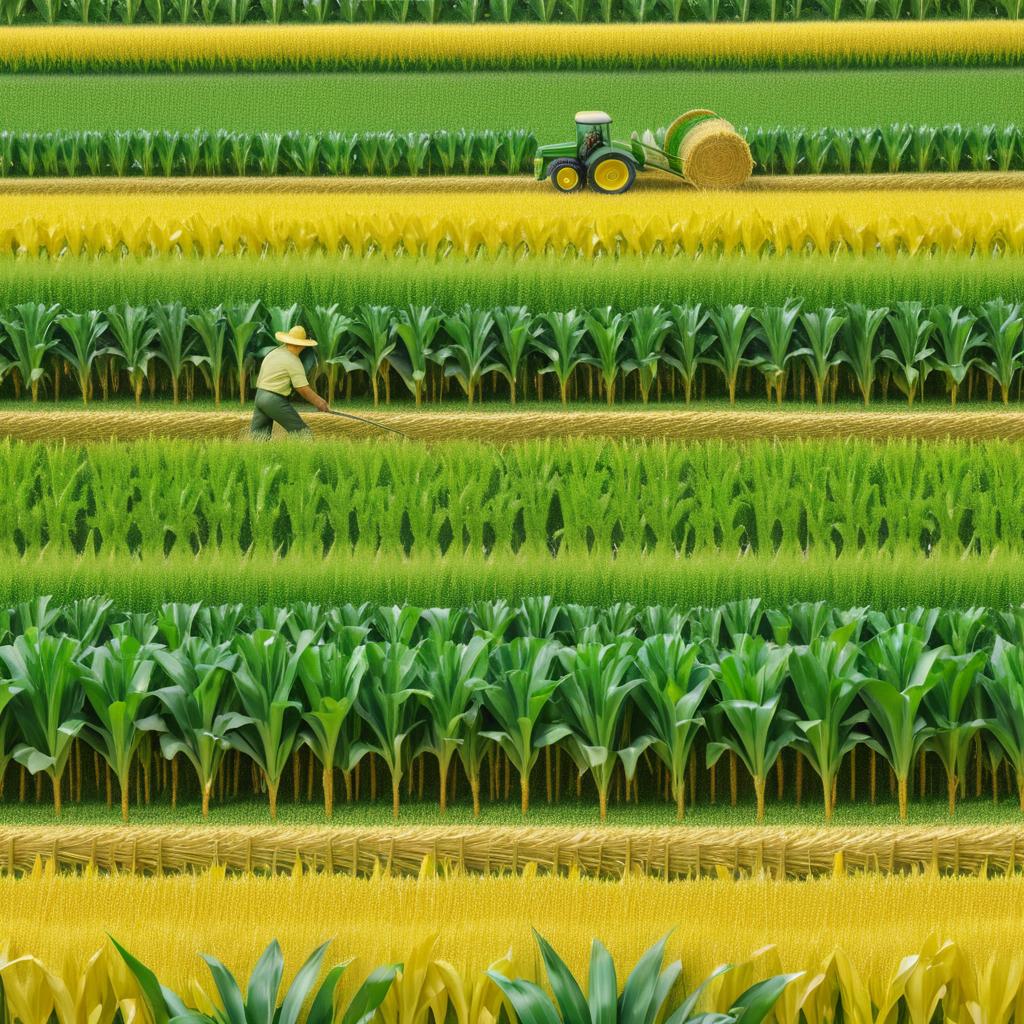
[544, 284]
[634, 699]
[580, 498]
[417, 101]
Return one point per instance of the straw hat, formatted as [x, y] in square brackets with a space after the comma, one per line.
[296, 336]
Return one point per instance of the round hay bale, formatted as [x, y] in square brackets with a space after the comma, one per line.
[714, 155]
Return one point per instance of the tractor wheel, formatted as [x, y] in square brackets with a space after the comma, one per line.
[567, 175]
[611, 174]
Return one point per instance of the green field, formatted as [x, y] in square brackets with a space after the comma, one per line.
[582, 813]
[541, 283]
[541, 101]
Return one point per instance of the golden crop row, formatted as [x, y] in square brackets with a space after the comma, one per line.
[875, 920]
[432, 225]
[467, 46]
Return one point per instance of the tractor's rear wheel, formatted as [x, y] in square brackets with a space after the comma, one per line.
[567, 175]
[611, 174]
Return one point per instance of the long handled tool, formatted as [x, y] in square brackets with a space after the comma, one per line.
[372, 423]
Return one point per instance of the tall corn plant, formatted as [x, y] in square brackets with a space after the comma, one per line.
[117, 685]
[265, 680]
[1002, 325]
[331, 327]
[374, 328]
[134, 336]
[827, 684]
[388, 703]
[648, 327]
[561, 345]
[908, 356]
[607, 331]
[956, 340]
[859, 349]
[417, 326]
[198, 708]
[905, 672]
[46, 672]
[211, 327]
[821, 328]
[244, 324]
[82, 348]
[688, 344]
[453, 674]
[775, 328]
[175, 348]
[330, 675]
[30, 331]
[672, 688]
[517, 332]
[520, 688]
[735, 336]
[592, 698]
[468, 357]
[750, 681]
[1004, 684]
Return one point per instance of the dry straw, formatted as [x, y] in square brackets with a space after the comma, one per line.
[97, 426]
[666, 853]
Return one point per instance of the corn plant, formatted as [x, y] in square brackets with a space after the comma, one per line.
[45, 671]
[520, 688]
[561, 346]
[955, 341]
[670, 695]
[1002, 324]
[1004, 686]
[911, 332]
[821, 327]
[211, 327]
[776, 326]
[517, 333]
[736, 334]
[749, 680]
[647, 330]
[374, 328]
[83, 332]
[134, 335]
[472, 344]
[116, 682]
[387, 702]
[197, 708]
[827, 683]
[688, 344]
[330, 676]
[261, 1004]
[30, 331]
[607, 332]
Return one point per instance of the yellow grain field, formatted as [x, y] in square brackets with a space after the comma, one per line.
[531, 45]
[874, 919]
[441, 223]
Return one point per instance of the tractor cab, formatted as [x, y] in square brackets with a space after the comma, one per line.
[592, 159]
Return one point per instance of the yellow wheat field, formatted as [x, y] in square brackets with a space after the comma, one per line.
[875, 920]
[470, 46]
[440, 223]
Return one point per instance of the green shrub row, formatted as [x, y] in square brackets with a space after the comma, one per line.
[776, 150]
[660, 352]
[613, 690]
[567, 499]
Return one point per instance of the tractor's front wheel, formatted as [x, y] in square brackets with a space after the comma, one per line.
[611, 174]
[567, 175]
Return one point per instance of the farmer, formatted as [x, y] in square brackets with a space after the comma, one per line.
[281, 375]
[590, 142]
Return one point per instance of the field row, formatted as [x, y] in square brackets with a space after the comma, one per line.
[513, 47]
[597, 355]
[443, 224]
[540, 284]
[428, 101]
[669, 853]
[887, 149]
[634, 704]
[472, 923]
[542, 498]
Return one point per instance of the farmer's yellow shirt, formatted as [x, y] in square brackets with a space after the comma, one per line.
[281, 373]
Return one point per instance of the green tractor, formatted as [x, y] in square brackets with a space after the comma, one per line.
[594, 159]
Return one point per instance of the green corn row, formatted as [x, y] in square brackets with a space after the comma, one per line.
[887, 149]
[494, 11]
[627, 699]
[670, 353]
[230, 153]
[567, 499]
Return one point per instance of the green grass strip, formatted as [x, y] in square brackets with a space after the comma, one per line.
[883, 582]
[541, 284]
[541, 101]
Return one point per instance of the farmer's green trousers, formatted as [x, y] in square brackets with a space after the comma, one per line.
[272, 408]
